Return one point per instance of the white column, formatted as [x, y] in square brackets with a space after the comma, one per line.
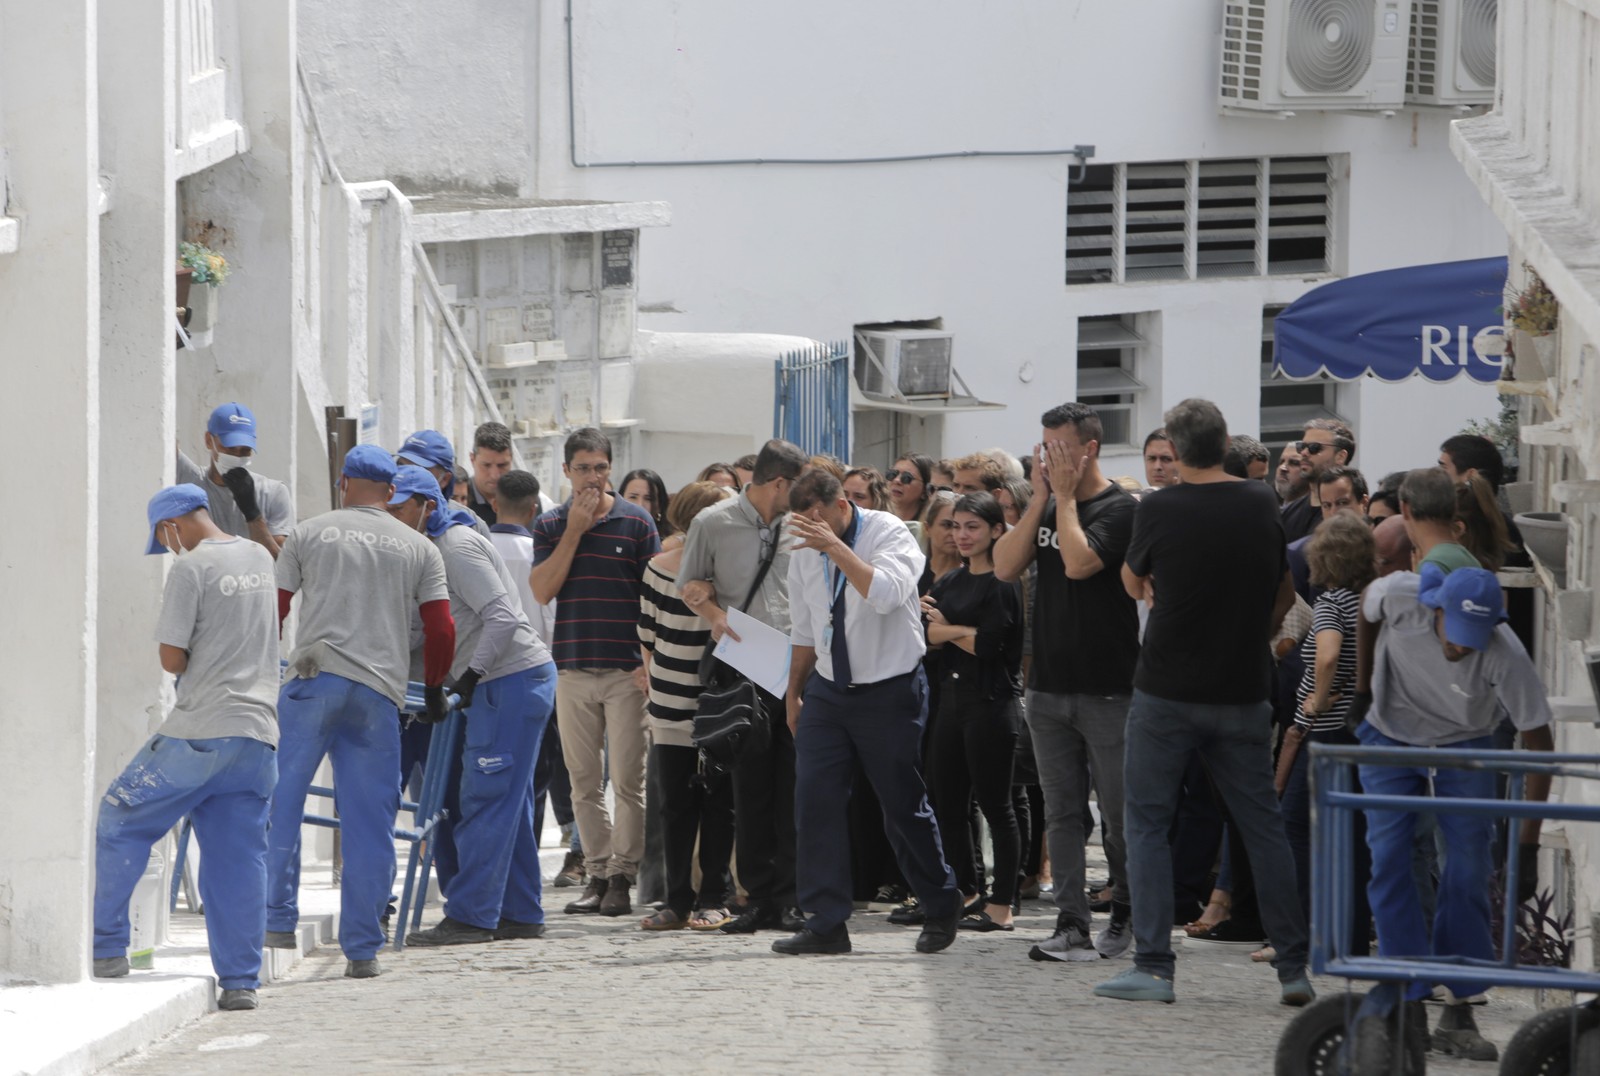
[256, 206]
[50, 325]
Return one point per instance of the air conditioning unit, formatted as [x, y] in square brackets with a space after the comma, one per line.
[1284, 56]
[913, 363]
[1452, 56]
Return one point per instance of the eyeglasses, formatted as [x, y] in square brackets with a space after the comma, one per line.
[590, 468]
[906, 477]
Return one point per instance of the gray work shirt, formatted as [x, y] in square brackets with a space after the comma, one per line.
[725, 545]
[277, 508]
[1421, 698]
[359, 573]
[221, 605]
[492, 633]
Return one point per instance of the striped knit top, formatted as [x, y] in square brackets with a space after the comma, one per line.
[677, 638]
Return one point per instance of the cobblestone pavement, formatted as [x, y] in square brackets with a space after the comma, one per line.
[601, 995]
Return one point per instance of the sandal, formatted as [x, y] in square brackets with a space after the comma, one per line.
[665, 919]
[1204, 923]
[709, 918]
[981, 922]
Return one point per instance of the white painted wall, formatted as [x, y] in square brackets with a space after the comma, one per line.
[813, 250]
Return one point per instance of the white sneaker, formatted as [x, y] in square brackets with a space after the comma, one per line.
[1067, 943]
[1115, 939]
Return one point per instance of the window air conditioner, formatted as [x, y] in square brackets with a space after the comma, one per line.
[1328, 55]
[915, 363]
[1452, 56]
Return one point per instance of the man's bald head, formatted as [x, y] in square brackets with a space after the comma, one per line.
[1394, 546]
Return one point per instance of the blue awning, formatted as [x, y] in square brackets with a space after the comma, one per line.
[1436, 320]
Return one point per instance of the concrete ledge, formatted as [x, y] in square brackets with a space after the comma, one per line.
[455, 218]
[82, 1027]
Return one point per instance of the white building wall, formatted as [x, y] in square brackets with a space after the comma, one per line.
[813, 249]
[1535, 162]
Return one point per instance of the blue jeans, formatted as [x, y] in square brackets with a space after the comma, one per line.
[1461, 920]
[223, 785]
[881, 725]
[486, 850]
[1234, 743]
[359, 730]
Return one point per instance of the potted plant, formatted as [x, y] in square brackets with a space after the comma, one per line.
[208, 271]
[1532, 316]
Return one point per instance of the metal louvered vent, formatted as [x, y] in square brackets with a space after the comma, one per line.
[1422, 58]
[1243, 31]
[1329, 43]
[1478, 19]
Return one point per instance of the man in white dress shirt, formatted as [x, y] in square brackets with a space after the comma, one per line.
[857, 691]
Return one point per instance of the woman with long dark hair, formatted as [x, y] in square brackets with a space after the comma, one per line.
[909, 480]
[644, 488]
[976, 621]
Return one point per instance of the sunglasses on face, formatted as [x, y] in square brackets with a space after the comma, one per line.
[1312, 448]
[907, 477]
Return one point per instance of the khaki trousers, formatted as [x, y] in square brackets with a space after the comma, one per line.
[602, 712]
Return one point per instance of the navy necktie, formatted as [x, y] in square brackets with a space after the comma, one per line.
[841, 648]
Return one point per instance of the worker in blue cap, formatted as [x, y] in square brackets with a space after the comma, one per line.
[486, 849]
[249, 505]
[359, 574]
[213, 758]
[432, 451]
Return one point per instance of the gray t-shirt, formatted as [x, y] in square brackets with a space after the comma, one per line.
[277, 509]
[221, 606]
[1421, 698]
[725, 545]
[359, 573]
[492, 633]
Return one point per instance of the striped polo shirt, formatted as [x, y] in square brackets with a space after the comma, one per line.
[677, 639]
[597, 608]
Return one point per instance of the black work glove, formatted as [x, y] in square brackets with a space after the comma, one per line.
[436, 710]
[1527, 872]
[1360, 703]
[243, 488]
[464, 685]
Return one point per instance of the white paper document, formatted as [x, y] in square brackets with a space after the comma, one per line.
[762, 652]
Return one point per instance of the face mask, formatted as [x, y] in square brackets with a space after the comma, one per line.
[176, 546]
[225, 463]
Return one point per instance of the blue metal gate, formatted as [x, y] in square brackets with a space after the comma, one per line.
[811, 405]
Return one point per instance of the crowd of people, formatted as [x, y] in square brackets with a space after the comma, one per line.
[1028, 649]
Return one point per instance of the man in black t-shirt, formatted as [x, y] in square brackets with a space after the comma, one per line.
[1208, 554]
[1085, 646]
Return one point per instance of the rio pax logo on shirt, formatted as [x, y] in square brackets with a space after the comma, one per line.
[246, 583]
[385, 542]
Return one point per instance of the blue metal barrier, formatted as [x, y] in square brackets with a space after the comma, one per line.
[1334, 803]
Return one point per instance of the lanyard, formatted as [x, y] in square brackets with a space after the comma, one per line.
[836, 583]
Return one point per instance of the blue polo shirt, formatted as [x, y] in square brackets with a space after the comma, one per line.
[597, 609]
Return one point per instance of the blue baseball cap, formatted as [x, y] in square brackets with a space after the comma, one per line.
[410, 481]
[369, 462]
[429, 448]
[1472, 603]
[233, 425]
[170, 503]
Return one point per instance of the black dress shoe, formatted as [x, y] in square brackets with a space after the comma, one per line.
[937, 934]
[807, 941]
[754, 918]
[511, 930]
[792, 919]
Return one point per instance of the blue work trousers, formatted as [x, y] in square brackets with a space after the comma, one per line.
[1461, 919]
[881, 726]
[1233, 742]
[487, 853]
[223, 785]
[359, 730]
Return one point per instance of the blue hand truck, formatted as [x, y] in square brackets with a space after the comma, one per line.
[1320, 1040]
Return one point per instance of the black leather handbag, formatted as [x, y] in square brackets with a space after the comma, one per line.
[730, 717]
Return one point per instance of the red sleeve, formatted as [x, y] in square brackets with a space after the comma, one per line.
[284, 598]
[438, 642]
